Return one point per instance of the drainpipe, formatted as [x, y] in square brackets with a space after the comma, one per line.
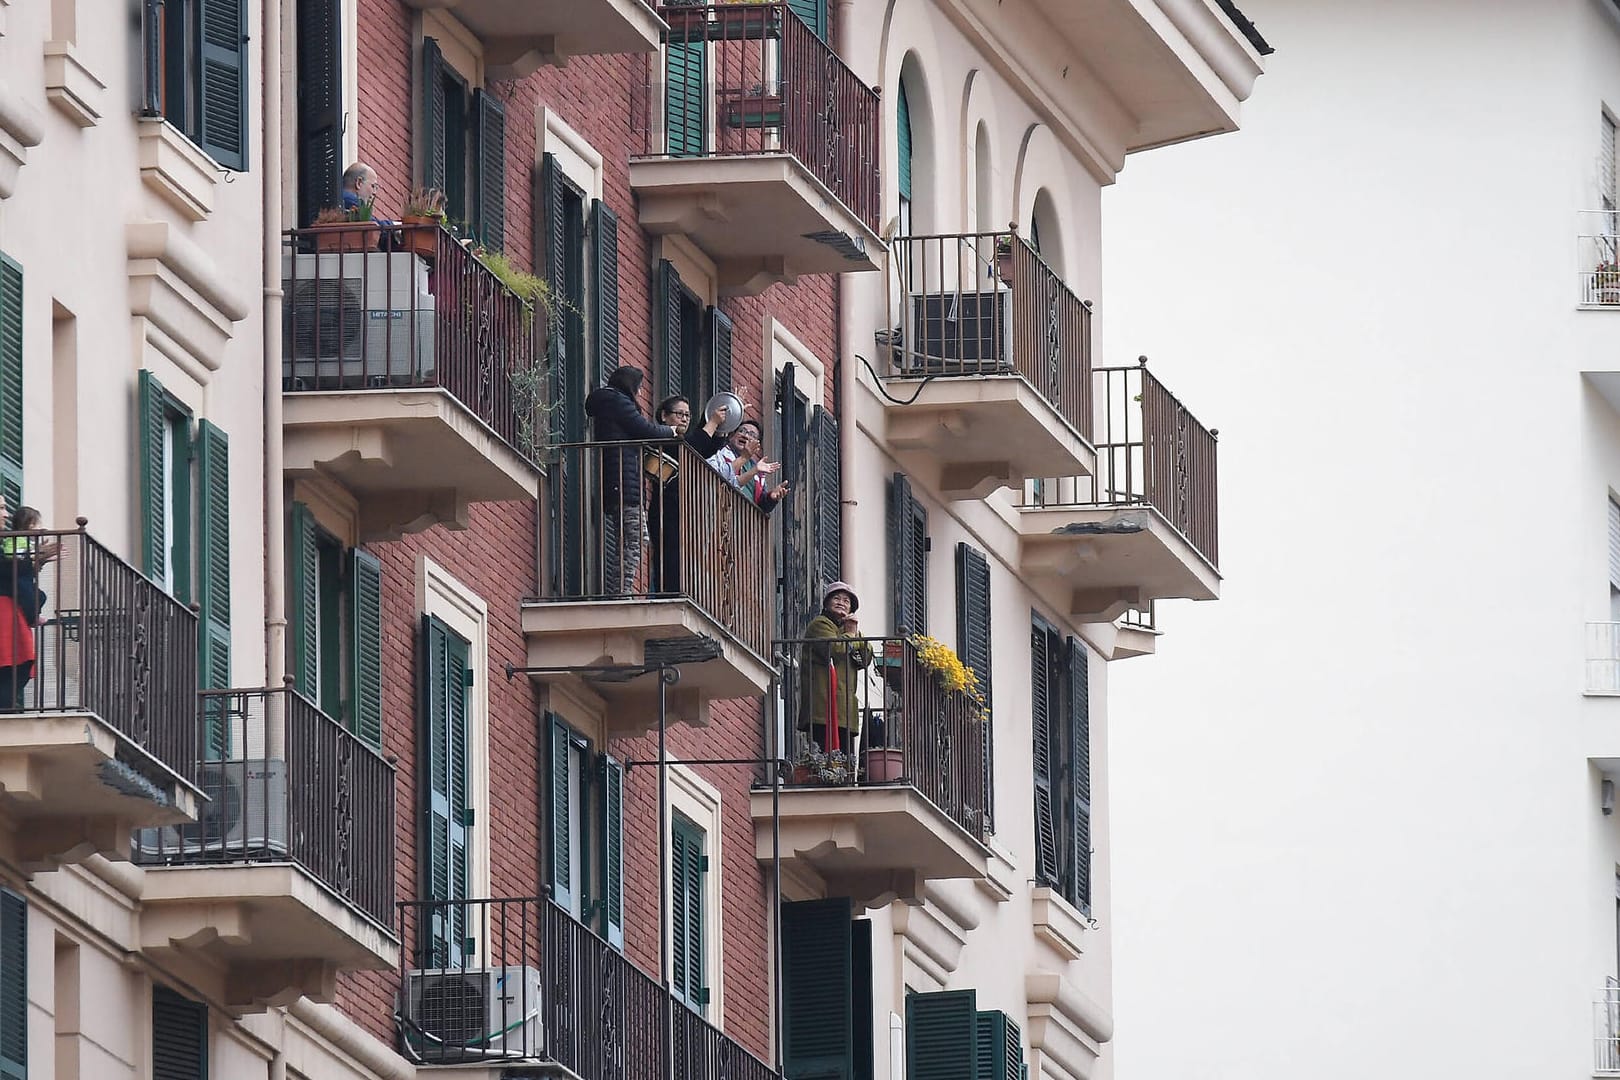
[843, 25]
[275, 543]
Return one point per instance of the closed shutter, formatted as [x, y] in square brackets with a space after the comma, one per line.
[434, 169]
[902, 137]
[908, 539]
[973, 635]
[861, 1000]
[1080, 727]
[613, 851]
[1614, 544]
[686, 65]
[605, 297]
[446, 812]
[669, 311]
[223, 131]
[814, 14]
[721, 333]
[1606, 166]
[365, 651]
[13, 986]
[688, 868]
[320, 106]
[941, 1037]
[179, 1037]
[304, 600]
[214, 553]
[562, 883]
[491, 170]
[1001, 1046]
[11, 381]
[1040, 714]
[154, 532]
[818, 990]
[829, 498]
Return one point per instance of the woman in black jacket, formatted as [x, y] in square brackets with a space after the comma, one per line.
[617, 418]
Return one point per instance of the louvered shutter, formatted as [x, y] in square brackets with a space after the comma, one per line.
[223, 130]
[445, 802]
[365, 629]
[818, 989]
[686, 66]
[1040, 713]
[303, 601]
[561, 801]
[902, 137]
[13, 986]
[214, 554]
[179, 1037]
[829, 497]
[613, 851]
[434, 168]
[154, 532]
[861, 1000]
[688, 868]
[605, 297]
[491, 169]
[669, 306]
[11, 381]
[1080, 727]
[320, 106]
[1001, 1047]
[722, 332]
[973, 635]
[916, 584]
[1614, 544]
[1606, 166]
[814, 14]
[941, 1036]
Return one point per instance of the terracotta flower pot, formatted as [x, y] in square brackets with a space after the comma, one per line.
[344, 236]
[422, 237]
[884, 765]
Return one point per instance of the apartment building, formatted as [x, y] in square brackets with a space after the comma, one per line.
[364, 740]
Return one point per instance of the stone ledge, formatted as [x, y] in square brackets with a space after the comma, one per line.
[20, 128]
[70, 86]
[176, 168]
[176, 286]
[1057, 924]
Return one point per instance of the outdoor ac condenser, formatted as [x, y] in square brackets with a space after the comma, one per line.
[952, 330]
[245, 815]
[469, 1014]
[356, 320]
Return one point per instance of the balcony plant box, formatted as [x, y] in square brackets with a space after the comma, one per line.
[745, 21]
[1606, 283]
[343, 236]
[424, 213]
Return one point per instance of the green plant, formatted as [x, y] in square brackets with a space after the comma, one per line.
[360, 211]
[332, 215]
[1004, 244]
[426, 203]
[520, 283]
[954, 676]
[1607, 275]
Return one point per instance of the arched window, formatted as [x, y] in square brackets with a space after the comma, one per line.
[902, 128]
[1045, 231]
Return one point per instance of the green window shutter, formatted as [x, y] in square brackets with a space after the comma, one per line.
[605, 297]
[444, 801]
[686, 66]
[669, 307]
[562, 832]
[1080, 726]
[941, 1036]
[365, 625]
[1040, 713]
[303, 601]
[179, 1037]
[1001, 1047]
[434, 107]
[688, 868]
[908, 539]
[722, 332]
[818, 989]
[13, 986]
[491, 119]
[320, 106]
[902, 134]
[861, 1000]
[973, 637]
[829, 480]
[613, 851]
[154, 483]
[11, 381]
[214, 552]
[814, 14]
[223, 128]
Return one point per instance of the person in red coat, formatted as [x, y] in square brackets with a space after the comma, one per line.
[22, 557]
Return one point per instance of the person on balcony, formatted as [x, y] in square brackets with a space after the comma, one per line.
[22, 557]
[359, 188]
[832, 653]
[664, 511]
[742, 462]
[617, 418]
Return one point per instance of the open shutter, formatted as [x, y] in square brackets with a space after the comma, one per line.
[445, 800]
[1001, 1046]
[179, 1037]
[222, 127]
[817, 990]
[829, 498]
[605, 297]
[669, 310]
[154, 534]
[861, 1000]
[688, 868]
[917, 566]
[902, 137]
[613, 851]
[900, 553]
[303, 601]
[553, 242]
[434, 170]
[214, 550]
[11, 381]
[365, 626]
[941, 1039]
[1040, 713]
[686, 65]
[13, 986]
[320, 106]
[491, 170]
[973, 635]
[562, 884]
[814, 14]
[722, 333]
[1080, 725]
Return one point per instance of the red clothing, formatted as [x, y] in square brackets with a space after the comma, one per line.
[16, 635]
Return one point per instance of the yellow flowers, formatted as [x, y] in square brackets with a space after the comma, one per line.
[956, 677]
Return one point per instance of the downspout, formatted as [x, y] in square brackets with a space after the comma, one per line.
[275, 542]
[843, 25]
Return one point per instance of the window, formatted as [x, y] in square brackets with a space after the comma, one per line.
[1060, 715]
[11, 380]
[201, 74]
[826, 991]
[464, 147]
[586, 796]
[694, 343]
[185, 518]
[689, 869]
[179, 1037]
[903, 140]
[947, 1034]
[335, 624]
[908, 558]
[13, 986]
[446, 802]
[320, 106]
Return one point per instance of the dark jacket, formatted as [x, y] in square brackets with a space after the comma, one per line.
[618, 419]
[829, 655]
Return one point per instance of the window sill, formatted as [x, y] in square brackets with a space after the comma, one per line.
[1057, 923]
[176, 169]
[70, 86]
[20, 128]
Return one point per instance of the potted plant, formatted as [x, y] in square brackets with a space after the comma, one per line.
[337, 229]
[884, 764]
[953, 676]
[424, 217]
[688, 19]
[733, 21]
[1004, 257]
[1606, 282]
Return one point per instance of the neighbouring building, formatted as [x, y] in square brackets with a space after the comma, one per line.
[363, 739]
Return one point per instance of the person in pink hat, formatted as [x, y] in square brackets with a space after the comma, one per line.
[832, 654]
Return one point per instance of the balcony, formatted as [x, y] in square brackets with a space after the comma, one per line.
[1597, 262]
[102, 739]
[704, 576]
[506, 981]
[287, 878]
[909, 803]
[988, 364]
[518, 38]
[761, 147]
[1606, 1030]
[1138, 632]
[408, 374]
[1144, 526]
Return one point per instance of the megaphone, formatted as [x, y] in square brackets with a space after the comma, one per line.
[734, 411]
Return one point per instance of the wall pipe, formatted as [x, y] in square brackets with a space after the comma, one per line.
[848, 377]
[275, 551]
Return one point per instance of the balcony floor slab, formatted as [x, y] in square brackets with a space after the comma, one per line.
[518, 38]
[1112, 558]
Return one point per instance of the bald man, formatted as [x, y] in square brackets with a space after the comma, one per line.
[359, 185]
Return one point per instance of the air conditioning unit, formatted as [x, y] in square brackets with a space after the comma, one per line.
[245, 817]
[471, 1014]
[356, 320]
[953, 331]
